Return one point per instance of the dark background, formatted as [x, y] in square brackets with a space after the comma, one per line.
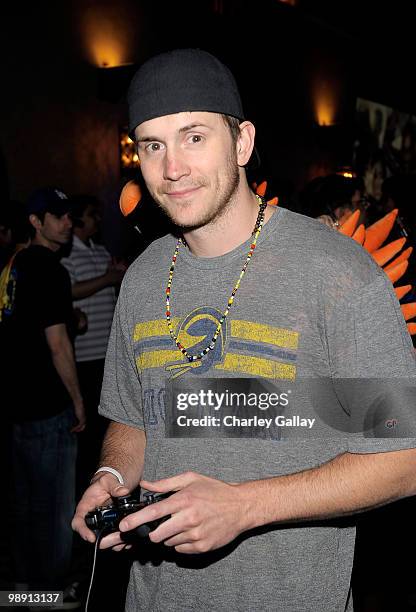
[62, 110]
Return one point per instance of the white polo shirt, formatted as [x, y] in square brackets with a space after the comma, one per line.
[84, 263]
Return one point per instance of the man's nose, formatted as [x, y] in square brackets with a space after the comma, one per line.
[175, 165]
[68, 221]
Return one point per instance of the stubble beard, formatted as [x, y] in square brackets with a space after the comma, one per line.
[223, 199]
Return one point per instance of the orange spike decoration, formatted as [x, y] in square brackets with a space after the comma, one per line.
[404, 256]
[372, 238]
[130, 197]
[349, 226]
[402, 291]
[359, 234]
[377, 233]
[386, 253]
[261, 191]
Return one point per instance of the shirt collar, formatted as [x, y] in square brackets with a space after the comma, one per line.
[77, 242]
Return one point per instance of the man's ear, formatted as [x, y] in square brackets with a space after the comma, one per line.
[35, 222]
[245, 142]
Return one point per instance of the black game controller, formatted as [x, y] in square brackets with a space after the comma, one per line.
[106, 519]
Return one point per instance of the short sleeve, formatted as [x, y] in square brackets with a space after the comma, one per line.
[70, 267]
[373, 368]
[121, 397]
[53, 291]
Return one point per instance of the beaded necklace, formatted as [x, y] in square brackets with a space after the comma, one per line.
[257, 229]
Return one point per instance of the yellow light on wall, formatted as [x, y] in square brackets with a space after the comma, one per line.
[325, 101]
[108, 33]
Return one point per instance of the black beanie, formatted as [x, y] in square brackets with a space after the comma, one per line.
[179, 81]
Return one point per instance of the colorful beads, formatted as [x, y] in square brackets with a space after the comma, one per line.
[191, 358]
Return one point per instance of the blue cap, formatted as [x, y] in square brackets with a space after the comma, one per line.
[48, 199]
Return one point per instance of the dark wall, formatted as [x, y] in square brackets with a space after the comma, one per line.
[61, 114]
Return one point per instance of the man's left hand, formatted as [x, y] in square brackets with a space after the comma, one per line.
[205, 513]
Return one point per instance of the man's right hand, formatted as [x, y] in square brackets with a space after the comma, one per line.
[81, 417]
[104, 486]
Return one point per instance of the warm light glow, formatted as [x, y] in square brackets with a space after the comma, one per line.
[325, 101]
[107, 36]
[128, 153]
[347, 172]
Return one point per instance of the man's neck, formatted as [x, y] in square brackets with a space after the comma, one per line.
[39, 240]
[233, 228]
[82, 236]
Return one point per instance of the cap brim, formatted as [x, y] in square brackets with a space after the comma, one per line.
[58, 208]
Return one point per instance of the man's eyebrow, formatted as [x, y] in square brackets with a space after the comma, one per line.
[192, 126]
[146, 139]
[185, 128]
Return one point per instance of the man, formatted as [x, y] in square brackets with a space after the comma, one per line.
[44, 400]
[247, 520]
[93, 278]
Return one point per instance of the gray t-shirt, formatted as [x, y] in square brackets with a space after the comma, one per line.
[312, 305]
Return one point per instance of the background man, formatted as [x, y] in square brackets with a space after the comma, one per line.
[250, 292]
[44, 400]
[93, 278]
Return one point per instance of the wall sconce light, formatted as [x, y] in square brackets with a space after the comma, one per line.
[128, 155]
[325, 97]
[108, 34]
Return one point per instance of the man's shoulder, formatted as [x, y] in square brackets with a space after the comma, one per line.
[315, 245]
[79, 250]
[36, 257]
[300, 228]
[155, 258]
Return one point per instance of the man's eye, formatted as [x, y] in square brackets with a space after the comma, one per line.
[195, 138]
[153, 146]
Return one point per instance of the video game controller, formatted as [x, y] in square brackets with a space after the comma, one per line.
[106, 519]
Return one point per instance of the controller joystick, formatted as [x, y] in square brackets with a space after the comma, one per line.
[106, 519]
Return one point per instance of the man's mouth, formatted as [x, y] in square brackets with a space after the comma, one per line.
[182, 193]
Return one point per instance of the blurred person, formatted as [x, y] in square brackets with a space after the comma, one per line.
[94, 279]
[43, 399]
[5, 237]
[19, 238]
[333, 199]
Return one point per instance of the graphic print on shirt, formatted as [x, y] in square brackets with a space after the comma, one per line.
[242, 347]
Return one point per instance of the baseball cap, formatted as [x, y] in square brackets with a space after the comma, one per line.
[184, 80]
[48, 199]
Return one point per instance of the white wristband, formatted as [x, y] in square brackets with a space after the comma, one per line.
[113, 472]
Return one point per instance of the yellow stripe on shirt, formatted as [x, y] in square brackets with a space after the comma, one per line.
[149, 329]
[246, 330]
[257, 366]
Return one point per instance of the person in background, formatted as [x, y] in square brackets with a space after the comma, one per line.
[5, 238]
[43, 398]
[94, 278]
[332, 199]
